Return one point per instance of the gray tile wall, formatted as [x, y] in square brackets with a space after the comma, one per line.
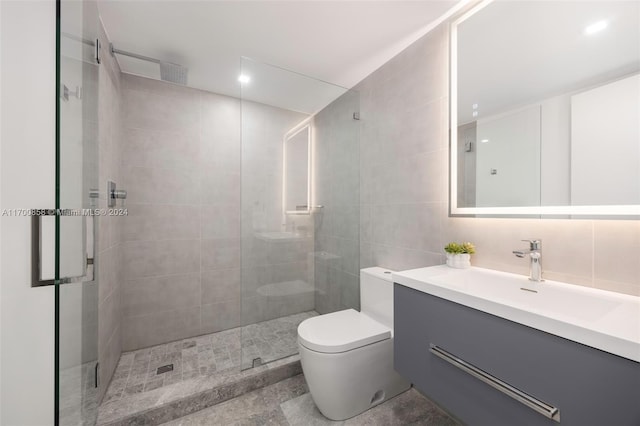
[181, 250]
[180, 166]
[404, 178]
[109, 251]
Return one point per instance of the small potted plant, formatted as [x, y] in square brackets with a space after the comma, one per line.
[459, 255]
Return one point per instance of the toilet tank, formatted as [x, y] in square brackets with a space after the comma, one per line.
[376, 294]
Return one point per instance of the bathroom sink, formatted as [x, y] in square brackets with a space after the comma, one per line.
[602, 319]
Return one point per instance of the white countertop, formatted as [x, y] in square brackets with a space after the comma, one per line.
[601, 319]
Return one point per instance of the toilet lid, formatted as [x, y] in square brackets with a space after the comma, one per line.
[341, 331]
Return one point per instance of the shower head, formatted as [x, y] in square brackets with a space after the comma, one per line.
[173, 73]
[169, 71]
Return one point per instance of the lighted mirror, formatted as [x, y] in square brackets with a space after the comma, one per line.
[545, 107]
[297, 153]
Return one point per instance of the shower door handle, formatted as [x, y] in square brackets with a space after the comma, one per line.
[88, 249]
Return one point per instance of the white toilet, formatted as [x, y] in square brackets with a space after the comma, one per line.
[347, 356]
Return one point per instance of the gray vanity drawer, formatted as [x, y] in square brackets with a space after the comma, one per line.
[588, 386]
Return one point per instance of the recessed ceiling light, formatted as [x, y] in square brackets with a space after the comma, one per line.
[484, 140]
[595, 27]
[474, 106]
[475, 113]
[244, 78]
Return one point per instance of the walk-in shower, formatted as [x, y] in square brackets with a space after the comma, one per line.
[241, 220]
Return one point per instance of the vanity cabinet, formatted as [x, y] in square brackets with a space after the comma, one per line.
[587, 386]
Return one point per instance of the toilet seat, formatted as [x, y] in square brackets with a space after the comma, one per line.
[341, 331]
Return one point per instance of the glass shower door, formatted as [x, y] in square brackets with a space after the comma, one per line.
[279, 215]
[76, 290]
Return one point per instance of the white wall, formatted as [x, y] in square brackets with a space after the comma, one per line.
[589, 150]
[555, 155]
[508, 144]
[605, 148]
[552, 158]
[27, 168]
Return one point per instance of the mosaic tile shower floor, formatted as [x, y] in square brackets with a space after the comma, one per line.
[225, 352]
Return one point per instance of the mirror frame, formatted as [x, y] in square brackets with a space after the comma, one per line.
[568, 212]
[304, 125]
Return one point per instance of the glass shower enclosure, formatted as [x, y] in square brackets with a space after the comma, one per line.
[72, 232]
[284, 194]
[291, 126]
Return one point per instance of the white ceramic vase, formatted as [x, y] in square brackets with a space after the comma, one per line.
[459, 261]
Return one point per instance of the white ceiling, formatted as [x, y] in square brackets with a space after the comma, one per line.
[512, 54]
[335, 41]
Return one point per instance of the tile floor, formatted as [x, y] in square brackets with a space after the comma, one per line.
[217, 353]
[288, 403]
[187, 397]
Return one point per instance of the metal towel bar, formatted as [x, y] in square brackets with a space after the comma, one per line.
[535, 404]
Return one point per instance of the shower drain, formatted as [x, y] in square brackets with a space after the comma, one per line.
[164, 369]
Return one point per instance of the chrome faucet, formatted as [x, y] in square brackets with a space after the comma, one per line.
[535, 259]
